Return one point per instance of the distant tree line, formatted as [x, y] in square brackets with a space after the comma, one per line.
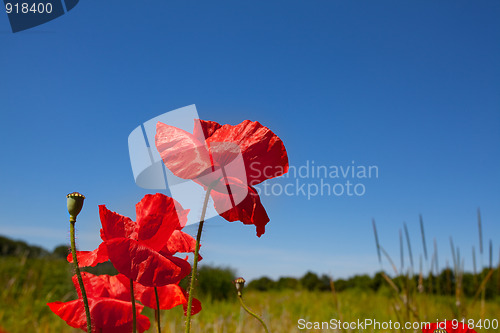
[216, 282]
[18, 248]
[443, 284]
[9, 247]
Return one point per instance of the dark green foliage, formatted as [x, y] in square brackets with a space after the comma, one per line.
[311, 281]
[377, 281]
[262, 284]
[216, 282]
[9, 247]
[359, 282]
[325, 283]
[287, 283]
[61, 251]
[444, 284]
[213, 282]
[101, 269]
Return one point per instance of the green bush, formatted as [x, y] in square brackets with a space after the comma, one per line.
[213, 282]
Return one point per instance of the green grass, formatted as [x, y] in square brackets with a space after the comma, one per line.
[26, 285]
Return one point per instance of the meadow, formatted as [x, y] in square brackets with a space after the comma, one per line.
[27, 284]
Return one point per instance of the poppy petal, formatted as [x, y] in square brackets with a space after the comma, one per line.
[108, 312]
[249, 211]
[72, 312]
[264, 153]
[169, 296]
[182, 215]
[142, 325]
[90, 258]
[179, 242]
[115, 225]
[183, 154]
[203, 129]
[117, 286]
[157, 218]
[108, 315]
[144, 265]
[195, 307]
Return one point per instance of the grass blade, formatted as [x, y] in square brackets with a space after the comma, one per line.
[454, 255]
[480, 229]
[423, 236]
[491, 254]
[376, 241]
[436, 256]
[409, 246]
[401, 250]
[390, 260]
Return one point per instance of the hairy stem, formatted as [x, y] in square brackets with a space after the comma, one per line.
[79, 275]
[134, 319]
[195, 261]
[157, 311]
[252, 314]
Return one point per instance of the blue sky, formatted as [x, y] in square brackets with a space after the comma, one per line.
[411, 87]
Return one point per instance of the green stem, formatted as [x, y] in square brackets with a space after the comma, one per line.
[157, 311]
[79, 275]
[134, 319]
[252, 314]
[195, 261]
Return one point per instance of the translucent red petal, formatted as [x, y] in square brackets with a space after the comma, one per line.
[169, 296]
[264, 153]
[144, 265]
[182, 153]
[91, 258]
[115, 225]
[117, 287]
[157, 218]
[195, 307]
[248, 211]
[203, 129]
[179, 242]
[108, 315]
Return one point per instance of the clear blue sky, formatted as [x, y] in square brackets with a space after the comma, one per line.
[411, 87]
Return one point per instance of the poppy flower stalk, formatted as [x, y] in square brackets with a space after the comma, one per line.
[157, 311]
[75, 205]
[134, 318]
[195, 260]
[239, 283]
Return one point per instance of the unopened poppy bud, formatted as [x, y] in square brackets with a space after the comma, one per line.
[75, 205]
[239, 284]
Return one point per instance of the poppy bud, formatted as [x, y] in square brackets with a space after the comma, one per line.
[239, 284]
[75, 205]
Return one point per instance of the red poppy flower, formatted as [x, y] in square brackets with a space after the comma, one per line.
[108, 315]
[118, 287]
[109, 303]
[136, 249]
[451, 326]
[109, 286]
[205, 156]
[169, 297]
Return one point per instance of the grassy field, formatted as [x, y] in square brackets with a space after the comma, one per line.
[26, 285]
